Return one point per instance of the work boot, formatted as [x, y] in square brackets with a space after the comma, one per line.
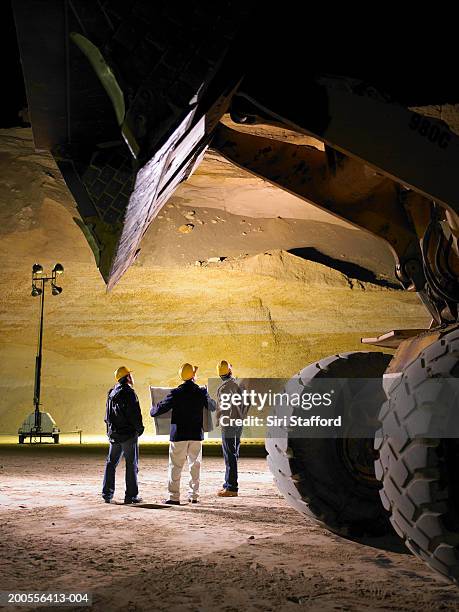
[171, 502]
[192, 501]
[107, 500]
[133, 500]
[227, 493]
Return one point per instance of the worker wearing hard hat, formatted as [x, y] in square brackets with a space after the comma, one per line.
[231, 435]
[187, 402]
[124, 425]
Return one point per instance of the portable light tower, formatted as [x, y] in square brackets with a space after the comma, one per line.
[38, 424]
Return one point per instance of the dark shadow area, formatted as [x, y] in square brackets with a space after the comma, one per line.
[156, 448]
[150, 506]
[348, 268]
[389, 543]
[382, 561]
[14, 101]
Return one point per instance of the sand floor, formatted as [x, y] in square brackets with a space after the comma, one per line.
[249, 553]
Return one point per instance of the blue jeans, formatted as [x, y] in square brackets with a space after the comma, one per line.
[130, 450]
[231, 440]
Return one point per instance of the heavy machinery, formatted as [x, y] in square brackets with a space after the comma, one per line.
[128, 96]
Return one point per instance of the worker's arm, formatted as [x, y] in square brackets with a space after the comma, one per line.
[219, 409]
[210, 403]
[133, 412]
[164, 405]
[107, 413]
[243, 408]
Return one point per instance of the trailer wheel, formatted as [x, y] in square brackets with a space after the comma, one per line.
[21, 439]
[329, 479]
[56, 438]
[419, 475]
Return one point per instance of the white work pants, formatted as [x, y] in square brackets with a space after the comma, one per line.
[178, 453]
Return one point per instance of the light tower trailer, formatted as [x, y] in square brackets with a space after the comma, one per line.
[46, 429]
[38, 424]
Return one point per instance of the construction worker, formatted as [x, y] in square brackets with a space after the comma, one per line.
[187, 402]
[231, 435]
[124, 426]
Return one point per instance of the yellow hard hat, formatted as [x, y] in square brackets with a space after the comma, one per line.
[187, 371]
[223, 367]
[121, 372]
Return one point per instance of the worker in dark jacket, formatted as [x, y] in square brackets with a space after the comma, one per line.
[187, 402]
[231, 434]
[124, 426]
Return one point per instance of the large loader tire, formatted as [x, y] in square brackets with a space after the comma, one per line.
[420, 475]
[329, 479]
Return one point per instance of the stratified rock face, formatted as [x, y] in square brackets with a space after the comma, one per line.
[269, 312]
[282, 265]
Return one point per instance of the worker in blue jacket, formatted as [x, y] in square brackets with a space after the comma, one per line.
[123, 419]
[187, 403]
